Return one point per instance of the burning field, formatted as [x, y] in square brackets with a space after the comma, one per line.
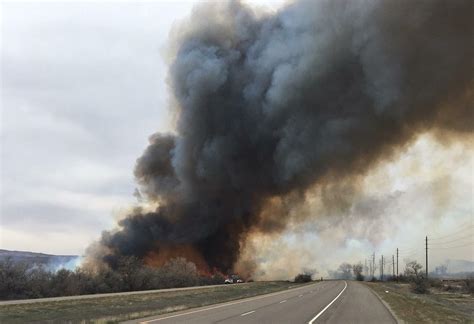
[269, 106]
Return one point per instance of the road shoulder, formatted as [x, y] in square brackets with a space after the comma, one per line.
[394, 315]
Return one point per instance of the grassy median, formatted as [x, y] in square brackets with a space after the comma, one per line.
[434, 307]
[119, 308]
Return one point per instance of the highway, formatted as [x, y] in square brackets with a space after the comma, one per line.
[324, 302]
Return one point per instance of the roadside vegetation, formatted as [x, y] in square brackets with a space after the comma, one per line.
[126, 307]
[21, 280]
[348, 271]
[417, 299]
[446, 302]
[303, 277]
[415, 278]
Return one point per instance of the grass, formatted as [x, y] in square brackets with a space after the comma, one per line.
[435, 307]
[126, 307]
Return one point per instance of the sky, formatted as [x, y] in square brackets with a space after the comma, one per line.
[84, 86]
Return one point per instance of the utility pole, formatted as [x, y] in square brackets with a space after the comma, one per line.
[393, 265]
[373, 265]
[381, 269]
[426, 262]
[397, 264]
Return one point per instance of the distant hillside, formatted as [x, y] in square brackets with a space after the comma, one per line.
[49, 260]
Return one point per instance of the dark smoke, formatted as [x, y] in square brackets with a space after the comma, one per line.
[270, 105]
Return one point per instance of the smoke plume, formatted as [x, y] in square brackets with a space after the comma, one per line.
[270, 105]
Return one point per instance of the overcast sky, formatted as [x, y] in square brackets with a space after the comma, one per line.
[84, 85]
[83, 88]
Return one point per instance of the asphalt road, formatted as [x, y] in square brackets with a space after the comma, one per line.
[325, 302]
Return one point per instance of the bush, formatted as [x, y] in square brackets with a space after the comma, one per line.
[435, 283]
[403, 278]
[20, 280]
[450, 288]
[180, 273]
[469, 285]
[39, 283]
[13, 280]
[420, 285]
[357, 269]
[303, 277]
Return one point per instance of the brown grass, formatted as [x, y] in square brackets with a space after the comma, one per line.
[435, 307]
[119, 308]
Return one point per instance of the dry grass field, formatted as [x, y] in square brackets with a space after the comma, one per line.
[125, 307]
[438, 306]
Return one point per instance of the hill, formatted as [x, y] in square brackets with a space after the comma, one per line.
[33, 258]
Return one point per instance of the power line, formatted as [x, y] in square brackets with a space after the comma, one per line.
[406, 246]
[463, 229]
[409, 251]
[414, 251]
[405, 255]
[456, 240]
[452, 247]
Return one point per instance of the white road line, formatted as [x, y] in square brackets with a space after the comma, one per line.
[247, 313]
[283, 301]
[324, 309]
[222, 305]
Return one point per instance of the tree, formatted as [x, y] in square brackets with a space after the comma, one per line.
[39, 283]
[303, 277]
[129, 270]
[412, 269]
[357, 270]
[180, 273]
[345, 270]
[13, 279]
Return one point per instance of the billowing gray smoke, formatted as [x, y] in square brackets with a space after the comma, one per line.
[270, 105]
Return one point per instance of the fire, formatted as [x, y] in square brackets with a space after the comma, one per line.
[165, 253]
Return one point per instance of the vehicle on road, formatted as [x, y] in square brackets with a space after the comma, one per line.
[233, 279]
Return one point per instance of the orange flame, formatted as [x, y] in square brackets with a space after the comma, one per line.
[167, 252]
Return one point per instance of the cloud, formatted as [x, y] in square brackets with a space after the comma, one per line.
[83, 85]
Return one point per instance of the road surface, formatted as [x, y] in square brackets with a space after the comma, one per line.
[325, 302]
